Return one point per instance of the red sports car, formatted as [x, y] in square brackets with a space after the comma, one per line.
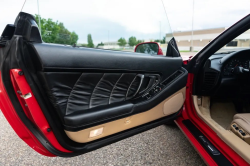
[68, 100]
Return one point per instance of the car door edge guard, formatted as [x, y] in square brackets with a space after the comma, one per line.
[33, 108]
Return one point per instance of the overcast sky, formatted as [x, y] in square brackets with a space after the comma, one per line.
[108, 20]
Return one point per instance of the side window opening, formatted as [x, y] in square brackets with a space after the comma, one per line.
[103, 24]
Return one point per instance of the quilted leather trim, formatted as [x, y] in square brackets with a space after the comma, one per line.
[71, 93]
[82, 91]
[114, 87]
[120, 90]
[89, 90]
[90, 106]
[126, 96]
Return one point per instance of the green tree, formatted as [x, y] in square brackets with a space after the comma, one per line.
[139, 41]
[55, 32]
[132, 41]
[157, 40]
[122, 42]
[99, 44]
[163, 40]
[90, 41]
[83, 45]
[63, 36]
[74, 38]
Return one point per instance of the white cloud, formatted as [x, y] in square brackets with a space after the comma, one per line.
[207, 13]
[9, 9]
[142, 18]
[135, 15]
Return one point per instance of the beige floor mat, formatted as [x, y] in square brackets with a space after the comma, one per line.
[223, 113]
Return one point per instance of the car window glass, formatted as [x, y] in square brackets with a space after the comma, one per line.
[240, 42]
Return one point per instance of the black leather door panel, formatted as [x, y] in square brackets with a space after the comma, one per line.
[102, 94]
[88, 99]
[77, 92]
[79, 120]
[60, 90]
[120, 90]
[82, 92]
[52, 57]
[92, 86]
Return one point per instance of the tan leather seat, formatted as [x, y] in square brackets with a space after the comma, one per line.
[241, 126]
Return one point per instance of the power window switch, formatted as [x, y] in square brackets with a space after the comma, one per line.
[234, 126]
[242, 133]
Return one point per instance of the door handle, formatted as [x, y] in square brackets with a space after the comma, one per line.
[153, 80]
[141, 76]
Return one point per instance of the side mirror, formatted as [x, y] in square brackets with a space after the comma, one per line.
[152, 48]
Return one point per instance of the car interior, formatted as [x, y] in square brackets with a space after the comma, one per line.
[223, 102]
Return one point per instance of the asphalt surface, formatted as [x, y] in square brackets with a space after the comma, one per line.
[164, 145]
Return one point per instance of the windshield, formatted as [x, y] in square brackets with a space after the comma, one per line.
[106, 24]
[240, 42]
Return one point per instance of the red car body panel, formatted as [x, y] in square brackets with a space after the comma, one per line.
[33, 109]
[16, 123]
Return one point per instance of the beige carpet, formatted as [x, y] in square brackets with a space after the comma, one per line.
[222, 113]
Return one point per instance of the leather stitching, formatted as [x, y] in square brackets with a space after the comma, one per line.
[71, 93]
[114, 87]
[94, 90]
[130, 86]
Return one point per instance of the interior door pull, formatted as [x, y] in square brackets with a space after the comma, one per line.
[141, 76]
[151, 81]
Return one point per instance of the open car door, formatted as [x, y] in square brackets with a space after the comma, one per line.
[65, 101]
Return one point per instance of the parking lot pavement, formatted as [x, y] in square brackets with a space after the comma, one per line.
[164, 145]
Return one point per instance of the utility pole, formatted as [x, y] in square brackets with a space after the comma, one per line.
[39, 17]
[192, 42]
[160, 31]
[108, 38]
[23, 5]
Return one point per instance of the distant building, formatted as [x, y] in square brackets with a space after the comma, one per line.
[114, 45]
[202, 37]
[184, 40]
[110, 45]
